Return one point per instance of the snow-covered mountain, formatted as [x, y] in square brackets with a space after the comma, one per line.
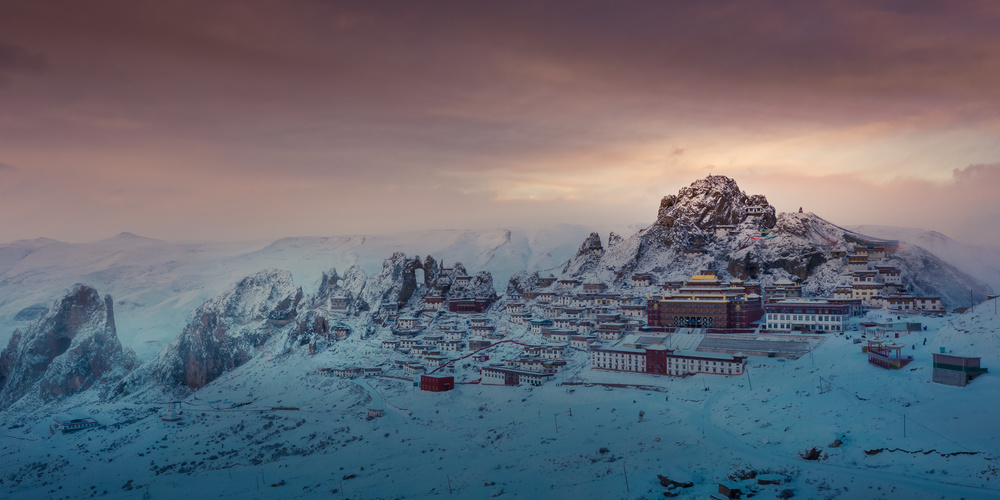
[251, 366]
[712, 224]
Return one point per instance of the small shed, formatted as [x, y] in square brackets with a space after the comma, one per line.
[956, 370]
[375, 413]
[436, 383]
[730, 489]
[67, 425]
[764, 479]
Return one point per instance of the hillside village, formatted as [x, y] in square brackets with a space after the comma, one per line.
[708, 329]
[705, 324]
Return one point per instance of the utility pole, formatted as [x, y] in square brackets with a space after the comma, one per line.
[748, 379]
[554, 419]
[627, 490]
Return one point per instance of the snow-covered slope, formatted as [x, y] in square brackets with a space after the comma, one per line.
[277, 427]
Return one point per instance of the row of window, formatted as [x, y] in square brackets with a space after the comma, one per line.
[818, 328]
[802, 317]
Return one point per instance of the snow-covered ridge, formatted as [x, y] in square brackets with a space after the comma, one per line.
[157, 285]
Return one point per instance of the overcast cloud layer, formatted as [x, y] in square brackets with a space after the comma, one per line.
[257, 119]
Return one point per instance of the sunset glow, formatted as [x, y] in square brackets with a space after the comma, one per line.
[245, 120]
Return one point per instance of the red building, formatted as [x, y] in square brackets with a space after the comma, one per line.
[886, 355]
[704, 312]
[436, 383]
[477, 305]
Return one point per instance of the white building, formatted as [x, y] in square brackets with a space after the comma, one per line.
[619, 359]
[807, 315]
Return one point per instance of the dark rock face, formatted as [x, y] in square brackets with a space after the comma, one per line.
[70, 349]
[396, 282]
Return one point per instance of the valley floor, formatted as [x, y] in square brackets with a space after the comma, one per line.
[584, 440]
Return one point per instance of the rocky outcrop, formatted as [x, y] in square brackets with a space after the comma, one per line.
[480, 286]
[522, 281]
[349, 286]
[395, 283]
[73, 347]
[713, 201]
[798, 245]
[227, 330]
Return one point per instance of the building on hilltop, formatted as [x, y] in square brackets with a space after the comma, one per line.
[781, 289]
[475, 305]
[642, 280]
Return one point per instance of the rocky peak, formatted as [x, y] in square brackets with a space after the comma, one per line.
[591, 246]
[480, 286]
[395, 283]
[270, 293]
[71, 348]
[586, 258]
[350, 285]
[713, 201]
[614, 239]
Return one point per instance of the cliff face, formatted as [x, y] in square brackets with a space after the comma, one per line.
[228, 329]
[70, 349]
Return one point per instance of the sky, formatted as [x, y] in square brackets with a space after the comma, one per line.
[239, 120]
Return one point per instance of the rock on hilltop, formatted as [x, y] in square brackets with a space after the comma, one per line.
[710, 202]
